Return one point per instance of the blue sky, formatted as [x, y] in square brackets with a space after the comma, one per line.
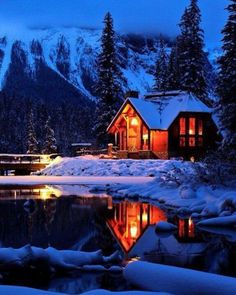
[136, 16]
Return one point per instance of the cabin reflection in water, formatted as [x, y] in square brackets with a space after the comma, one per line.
[130, 220]
[186, 230]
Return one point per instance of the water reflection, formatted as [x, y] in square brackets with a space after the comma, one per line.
[43, 192]
[129, 220]
[57, 216]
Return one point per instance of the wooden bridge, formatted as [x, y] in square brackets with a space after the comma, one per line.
[23, 164]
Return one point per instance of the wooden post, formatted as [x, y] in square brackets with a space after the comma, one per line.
[109, 149]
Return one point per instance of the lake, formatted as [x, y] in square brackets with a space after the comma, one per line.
[70, 217]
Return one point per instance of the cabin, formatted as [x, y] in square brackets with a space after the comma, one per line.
[173, 124]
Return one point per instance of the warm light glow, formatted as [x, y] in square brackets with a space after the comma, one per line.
[133, 229]
[45, 158]
[144, 216]
[109, 203]
[182, 126]
[145, 136]
[192, 159]
[200, 127]
[192, 126]
[48, 191]
[134, 122]
[190, 222]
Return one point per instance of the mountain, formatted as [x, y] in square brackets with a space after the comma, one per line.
[53, 71]
[38, 60]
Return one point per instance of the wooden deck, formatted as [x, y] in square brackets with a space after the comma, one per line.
[22, 164]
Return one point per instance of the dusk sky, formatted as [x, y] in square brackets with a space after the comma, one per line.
[136, 16]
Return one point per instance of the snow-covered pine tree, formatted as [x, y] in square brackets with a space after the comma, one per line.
[31, 136]
[227, 81]
[50, 144]
[190, 52]
[173, 70]
[108, 88]
[161, 68]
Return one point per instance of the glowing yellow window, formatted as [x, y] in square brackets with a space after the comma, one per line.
[182, 126]
[192, 123]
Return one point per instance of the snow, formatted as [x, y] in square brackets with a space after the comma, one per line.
[220, 221]
[164, 226]
[12, 290]
[71, 180]
[105, 292]
[175, 183]
[5, 63]
[26, 256]
[92, 166]
[176, 280]
[161, 112]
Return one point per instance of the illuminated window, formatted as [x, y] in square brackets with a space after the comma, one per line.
[200, 127]
[192, 141]
[192, 123]
[200, 141]
[134, 122]
[182, 126]
[182, 141]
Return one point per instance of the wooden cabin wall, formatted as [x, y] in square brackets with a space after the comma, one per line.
[209, 137]
[159, 143]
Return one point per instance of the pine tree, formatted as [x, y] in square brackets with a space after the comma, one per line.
[190, 52]
[50, 144]
[173, 70]
[31, 136]
[227, 80]
[108, 88]
[161, 68]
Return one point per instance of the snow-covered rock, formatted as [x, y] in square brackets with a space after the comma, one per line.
[176, 280]
[105, 292]
[13, 290]
[219, 221]
[164, 226]
[11, 258]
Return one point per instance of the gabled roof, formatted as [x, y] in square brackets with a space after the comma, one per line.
[160, 111]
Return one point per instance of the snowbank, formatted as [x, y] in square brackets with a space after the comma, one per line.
[219, 221]
[12, 290]
[11, 259]
[105, 292]
[101, 167]
[176, 280]
[164, 226]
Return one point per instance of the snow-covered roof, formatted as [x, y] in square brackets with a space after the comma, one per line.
[158, 112]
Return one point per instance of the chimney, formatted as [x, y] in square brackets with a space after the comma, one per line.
[132, 93]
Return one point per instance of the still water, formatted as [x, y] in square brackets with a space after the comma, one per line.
[70, 217]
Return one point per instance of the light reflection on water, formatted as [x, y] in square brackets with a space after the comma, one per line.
[57, 216]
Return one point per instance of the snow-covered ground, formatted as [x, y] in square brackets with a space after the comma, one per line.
[176, 280]
[12, 290]
[93, 166]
